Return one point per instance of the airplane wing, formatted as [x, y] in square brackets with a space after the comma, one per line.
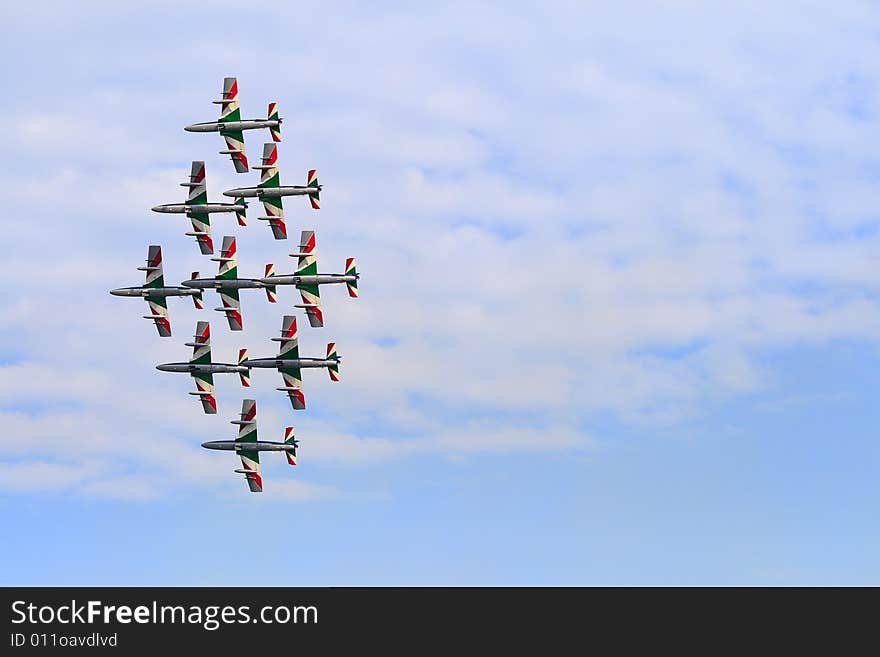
[155, 279]
[201, 345]
[159, 315]
[250, 458]
[153, 268]
[292, 377]
[229, 111]
[311, 300]
[307, 265]
[198, 190]
[229, 295]
[275, 216]
[232, 308]
[205, 391]
[235, 146]
[198, 195]
[201, 230]
[291, 374]
[272, 205]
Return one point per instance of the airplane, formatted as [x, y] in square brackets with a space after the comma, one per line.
[248, 447]
[228, 284]
[270, 192]
[155, 293]
[232, 127]
[289, 363]
[202, 369]
[308, 281]
[199, 210]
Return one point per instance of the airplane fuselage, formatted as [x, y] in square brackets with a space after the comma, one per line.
[203, 368]
[317, 279]
[207, 208]
[153, 292]
[302, 363]
[223, 283]
[232, 126]
[271, 192]
[256, 446]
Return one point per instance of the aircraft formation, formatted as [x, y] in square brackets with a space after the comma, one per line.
[228, 285]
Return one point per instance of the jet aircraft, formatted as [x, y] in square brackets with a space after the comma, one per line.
[248, 447]
[199, 210]
[232, 127]
[289, 363]
[202, 369]
[228, 284]
[155, 293]
[308, 281]
[270, 191]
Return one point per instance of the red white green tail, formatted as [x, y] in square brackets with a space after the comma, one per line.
[241, 215]
[198, 301]
[290, 439]
[244, 376]
[271, 292]
[333, 369]
[351, 270]
[273, 116]
[314, 196]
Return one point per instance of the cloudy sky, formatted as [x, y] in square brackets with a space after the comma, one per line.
[619, 317]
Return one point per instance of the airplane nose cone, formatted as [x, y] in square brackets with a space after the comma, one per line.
[118, 292]
[189, 128]
[156, 208]
[162, 368]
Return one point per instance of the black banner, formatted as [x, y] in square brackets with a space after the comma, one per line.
[255, 619]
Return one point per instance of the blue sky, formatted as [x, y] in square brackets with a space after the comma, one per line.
[618, 319]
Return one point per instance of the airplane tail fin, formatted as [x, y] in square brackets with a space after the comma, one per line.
[333, 370]
[273, 116]
[241, 214]
[244, 376]
[197, 297]
[290, 439]
[270, 289]
[314, 196]
[351, 270]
